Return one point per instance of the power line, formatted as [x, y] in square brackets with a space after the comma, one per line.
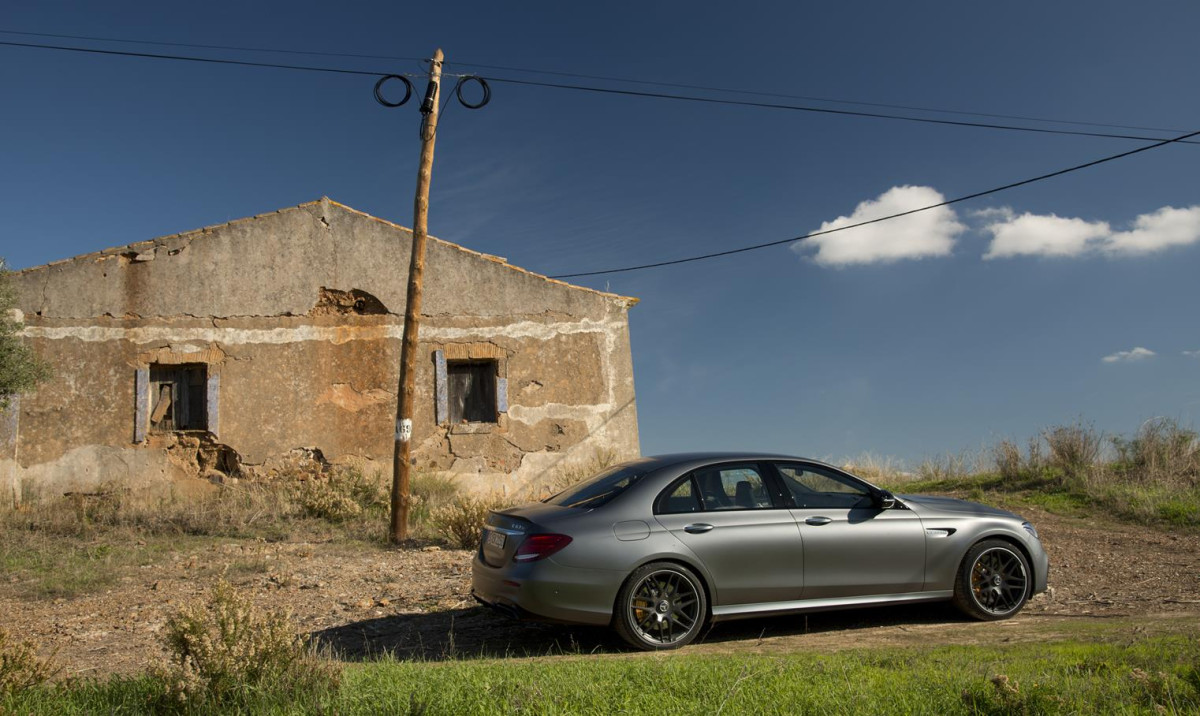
[506, 68]
[809, 98]
[212, 47]
[824, 110]
[602, 90]
[150, 55]
[948, 202]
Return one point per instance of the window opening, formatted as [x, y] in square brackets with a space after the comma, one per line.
[178, 397]
[472, 391]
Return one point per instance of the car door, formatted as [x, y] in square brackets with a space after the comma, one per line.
[741, 531]
[852, 547]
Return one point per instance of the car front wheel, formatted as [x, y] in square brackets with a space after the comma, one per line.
[993, 581]
[661, 606]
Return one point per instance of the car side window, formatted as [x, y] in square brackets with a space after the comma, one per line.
[684, 498]
[814, 487]
[732, 487]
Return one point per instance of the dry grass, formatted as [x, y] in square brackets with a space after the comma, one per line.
[20, 666]
[1151, 478]
[1073, 449]
[875, 468]
[224, 649]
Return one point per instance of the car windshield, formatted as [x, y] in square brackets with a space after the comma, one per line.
[599, 489]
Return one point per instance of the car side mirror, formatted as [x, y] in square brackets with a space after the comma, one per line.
[885, 500]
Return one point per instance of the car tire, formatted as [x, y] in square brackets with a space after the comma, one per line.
[661, 606]
[993, 581]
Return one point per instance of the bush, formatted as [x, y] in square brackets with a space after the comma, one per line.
[1074, 449]
[346, 493]
[20, 666]
[461, 523]
[225, 650]
[429, 492]
[1161, 451]
[1010, 464]
[946, 467]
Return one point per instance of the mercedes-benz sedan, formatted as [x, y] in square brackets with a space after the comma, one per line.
[658, 547]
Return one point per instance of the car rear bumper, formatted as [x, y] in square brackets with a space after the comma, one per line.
[546, 591]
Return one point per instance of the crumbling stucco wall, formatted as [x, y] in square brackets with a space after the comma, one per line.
[299, 315]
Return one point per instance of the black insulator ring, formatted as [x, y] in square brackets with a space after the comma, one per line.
[487, 91]
[408, 90]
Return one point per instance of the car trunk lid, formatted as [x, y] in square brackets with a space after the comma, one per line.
[505, 530]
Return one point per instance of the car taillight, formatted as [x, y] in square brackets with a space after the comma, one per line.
[537, 547]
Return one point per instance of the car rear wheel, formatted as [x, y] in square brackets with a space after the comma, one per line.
[993, 581]
[661, 606]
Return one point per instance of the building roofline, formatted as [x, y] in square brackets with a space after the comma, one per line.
[139, 246]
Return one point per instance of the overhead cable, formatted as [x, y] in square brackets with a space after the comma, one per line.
[96, 51]
[824, 110]
[235, 48]
[889, 217]
[604, 90]
[603, 78]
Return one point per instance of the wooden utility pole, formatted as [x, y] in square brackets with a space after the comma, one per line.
[412, 307]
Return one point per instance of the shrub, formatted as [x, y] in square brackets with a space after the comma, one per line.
[430, 491]
[944, 468]
[1009, 462]
[346, 493]
[1074, 449]
[20, 666]
[1161, 451]
[461, 523]
[224, 650]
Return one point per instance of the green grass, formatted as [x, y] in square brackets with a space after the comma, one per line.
[1155, 675]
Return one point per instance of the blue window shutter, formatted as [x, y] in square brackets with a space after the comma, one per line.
[211, 398]
[141, 411]
[502, 395]
[441, 387]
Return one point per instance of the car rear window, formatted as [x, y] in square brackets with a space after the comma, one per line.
[600, 489]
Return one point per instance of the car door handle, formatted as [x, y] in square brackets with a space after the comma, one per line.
[697, 528]
[817, 521]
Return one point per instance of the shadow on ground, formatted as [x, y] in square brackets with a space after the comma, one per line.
[481, 633]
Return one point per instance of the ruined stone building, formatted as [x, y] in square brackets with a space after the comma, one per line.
[245, 348]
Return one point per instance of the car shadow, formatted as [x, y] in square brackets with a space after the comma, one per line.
[481, 633]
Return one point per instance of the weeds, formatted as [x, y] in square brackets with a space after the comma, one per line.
[948, 467]
[20, 666]
[461, 523]
[1074, 449]
[342, 495]
[1151, 478]
[1161, 452]
[224, 650]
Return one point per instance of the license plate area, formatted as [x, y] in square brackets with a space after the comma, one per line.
[496, 539]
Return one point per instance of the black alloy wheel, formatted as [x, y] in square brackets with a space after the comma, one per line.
[993, 581]
[661, 606]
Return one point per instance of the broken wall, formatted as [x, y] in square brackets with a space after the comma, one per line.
[296, 318]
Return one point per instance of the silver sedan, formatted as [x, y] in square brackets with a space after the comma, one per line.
[658, 547]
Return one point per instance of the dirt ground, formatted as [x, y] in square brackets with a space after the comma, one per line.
[415, 603]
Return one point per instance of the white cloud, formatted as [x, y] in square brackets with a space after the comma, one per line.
[1192, 354]
[1154, 232]
[1042, 235]
[927, 233]
[1136, 354]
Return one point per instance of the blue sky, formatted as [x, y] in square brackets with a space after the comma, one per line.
[941, 332]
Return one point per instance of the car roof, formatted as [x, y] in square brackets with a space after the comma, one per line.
[672, 459]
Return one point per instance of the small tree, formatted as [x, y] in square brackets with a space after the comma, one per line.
[20, 369]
